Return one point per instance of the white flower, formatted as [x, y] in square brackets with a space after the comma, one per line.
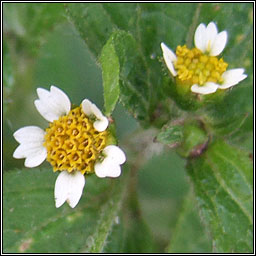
[207, 39]
[55, 107]
[110, 166]
[210, 43]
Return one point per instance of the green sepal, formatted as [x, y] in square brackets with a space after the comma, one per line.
[187, 100]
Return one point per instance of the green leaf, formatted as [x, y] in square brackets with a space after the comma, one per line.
[110, 75]
[120, 75]
[32, 224]
[223, 182]
[115, 242]
[190, 235]
[107, 216]
[122, 68]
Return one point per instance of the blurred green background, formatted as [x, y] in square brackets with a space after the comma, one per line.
[162, 206]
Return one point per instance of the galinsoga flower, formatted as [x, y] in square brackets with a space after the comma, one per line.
[75, 143]
[199, 67]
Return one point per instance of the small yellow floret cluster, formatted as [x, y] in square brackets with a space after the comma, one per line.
[193, 67]
[72, 143]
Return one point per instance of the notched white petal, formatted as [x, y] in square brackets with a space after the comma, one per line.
[166, 50]
[219, 43]
[200, 37]
[31, 147]
[110, 166]
[26, 149]
[52, 104]
[33, 156]
[169, 58]
[211, 33]
[207, 88]
[86, 107]
[36, 159]
[45, 111]
[75, 192]
[29, 134]
[100, 169]
[60, 190]
[90, 109]
[212, 29]
[18, 153]
[101, 125]
[62, 98]
[114, 154]
[232, 77]
[107, 169]
[113, 171]
[69, 187]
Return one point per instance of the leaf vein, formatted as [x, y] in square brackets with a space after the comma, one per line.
[228, 191]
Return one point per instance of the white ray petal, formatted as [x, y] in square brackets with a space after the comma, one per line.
[36, 159]
[60, 190]
[100, 169]
[113, 171]
[101, 125]
[34, 154]
[19, 153]
[219, 43]
[61, 98]
[169, 58]
[207, 88]
[232, 77]
[69, 187]
[46, 112]
[107, 169]
[91, 109]
[52, 104]
[211, 33]
[114, 154]
[26, 149]
[200, 37]
[29, 134]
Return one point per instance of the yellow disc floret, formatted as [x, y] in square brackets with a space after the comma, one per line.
[193, 67]
[72, 143]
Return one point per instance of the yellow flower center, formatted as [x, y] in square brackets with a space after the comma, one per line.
[72, 143]
[193, 67]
